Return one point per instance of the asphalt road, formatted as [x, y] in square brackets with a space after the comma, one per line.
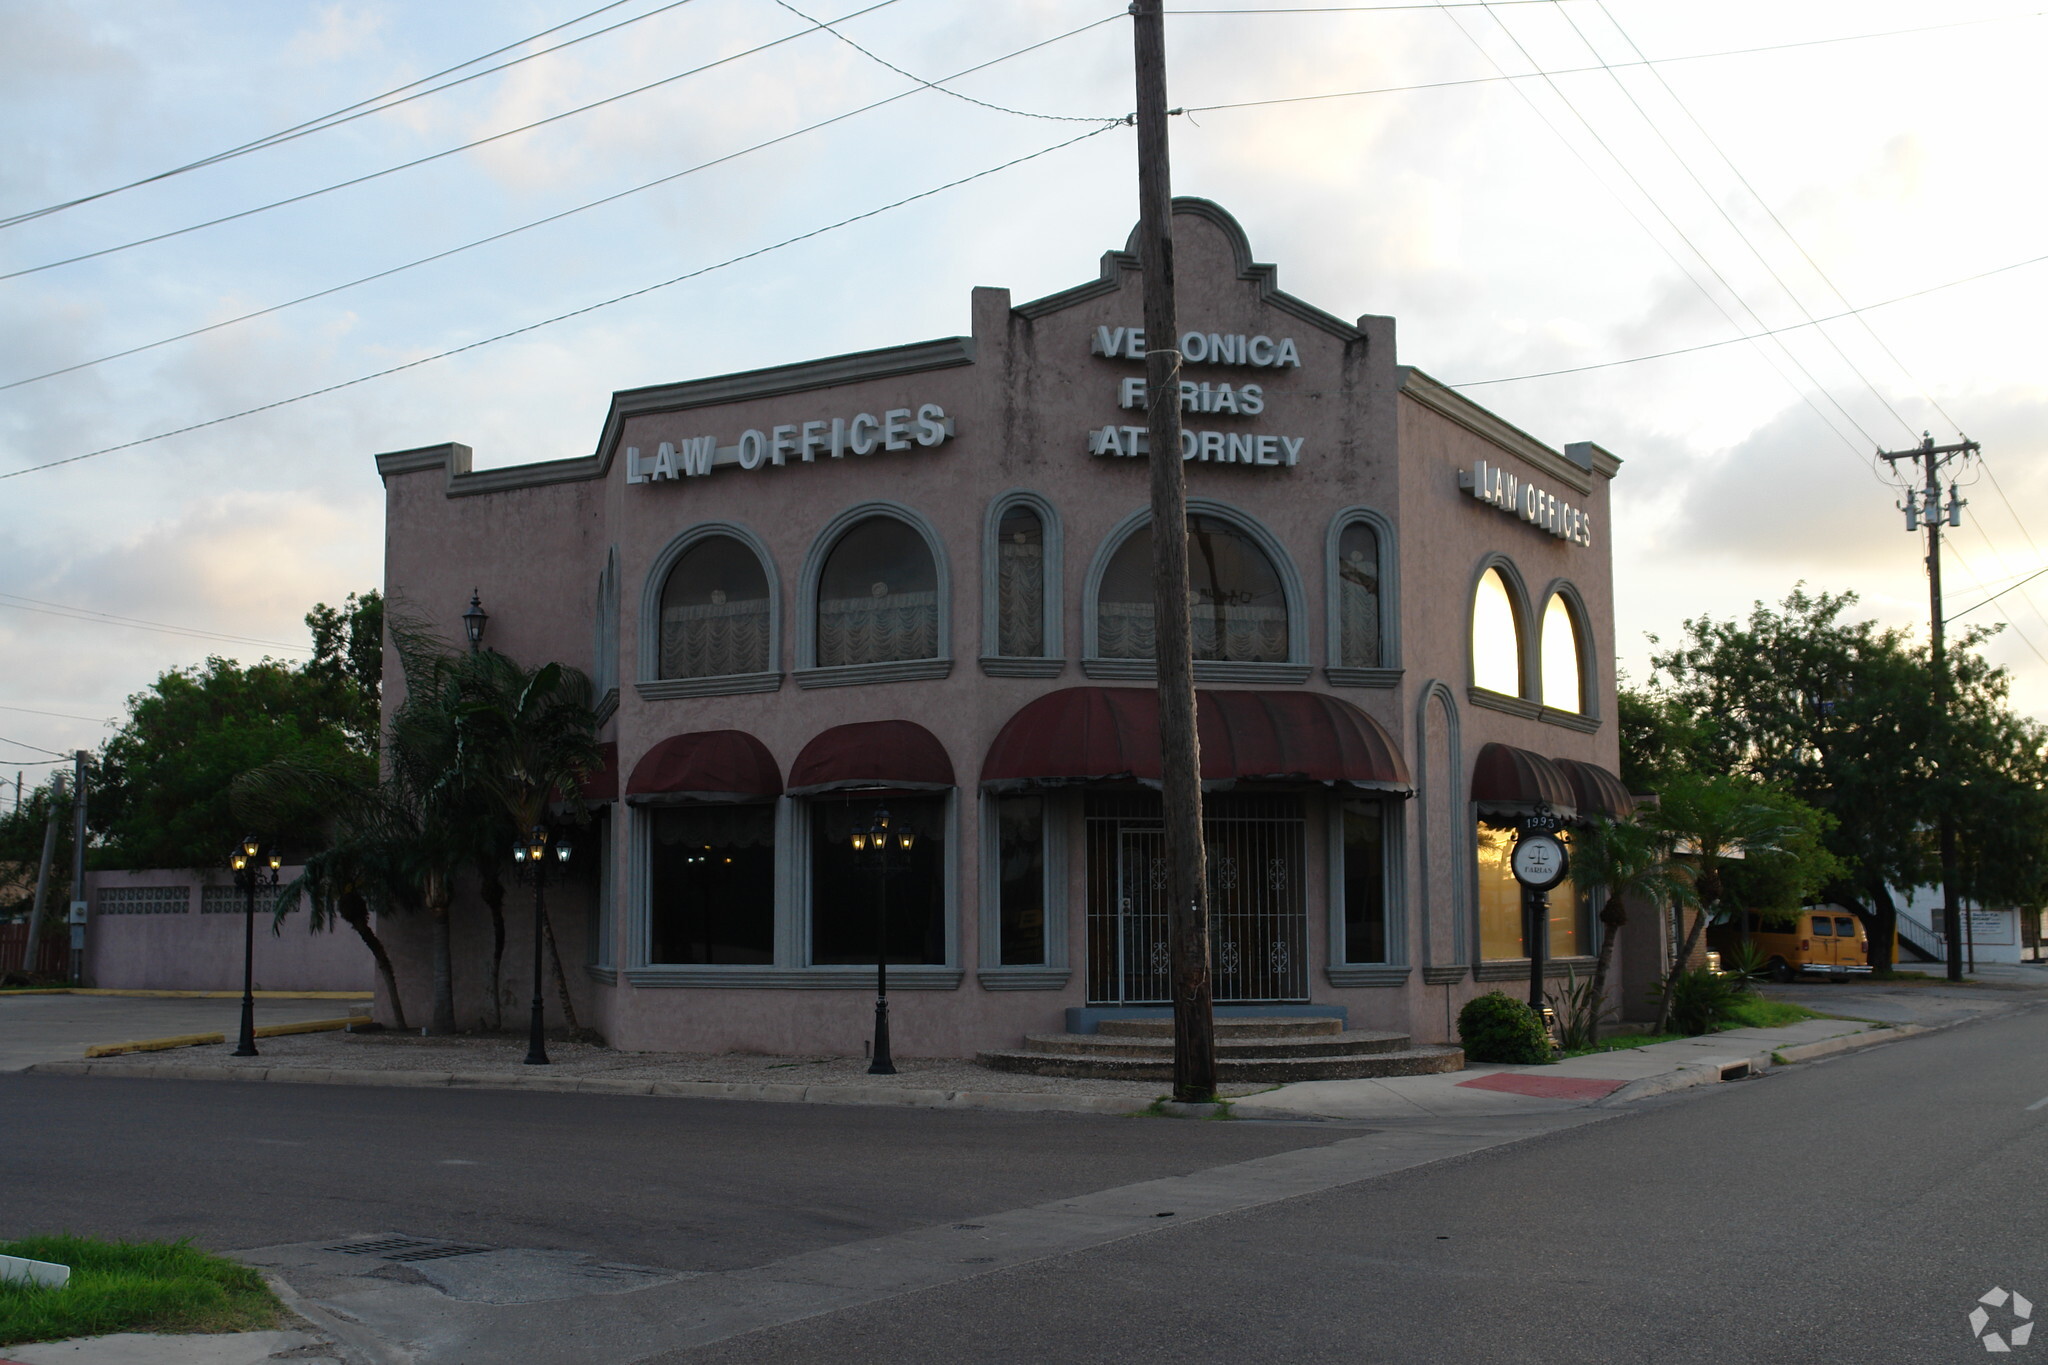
[1851, 1210]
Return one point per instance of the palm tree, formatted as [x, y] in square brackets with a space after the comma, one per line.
[1627, 859]
[524, 740]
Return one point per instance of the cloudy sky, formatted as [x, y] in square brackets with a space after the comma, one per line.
[1656, 177]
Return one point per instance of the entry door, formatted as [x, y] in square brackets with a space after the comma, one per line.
[1144, 968]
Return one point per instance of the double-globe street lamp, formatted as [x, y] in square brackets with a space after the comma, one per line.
[250, 873]
[532, 853]
[882, 851]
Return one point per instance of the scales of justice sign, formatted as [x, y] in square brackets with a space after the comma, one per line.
[1539, 861]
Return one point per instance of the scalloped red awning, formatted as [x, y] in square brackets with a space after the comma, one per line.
[1595, 790]
[890, 754]
[1094, 734]
[705, 765]
[1508, 781]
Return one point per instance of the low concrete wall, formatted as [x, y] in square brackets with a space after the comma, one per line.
[151, 931]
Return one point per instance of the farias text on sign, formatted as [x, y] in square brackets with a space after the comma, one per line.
[1539, 507]
[795, 442]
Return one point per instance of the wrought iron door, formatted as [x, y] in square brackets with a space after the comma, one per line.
[1258, 916]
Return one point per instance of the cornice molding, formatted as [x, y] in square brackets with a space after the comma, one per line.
[1449, 403]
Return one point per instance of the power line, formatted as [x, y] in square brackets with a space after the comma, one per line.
[1732, 341]
[1584, 70]
[565, 213]
[16, 602]
[348, 113]
[23, 744]
[576, 312]
[60, 715]
[440, 155]
[1954, 615]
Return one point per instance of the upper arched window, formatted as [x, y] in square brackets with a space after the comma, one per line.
[1236, 597]
[715, 612]
[1496, 637]
[1358, 597]
[878, 597]
[1020, 583]
[1564, 684]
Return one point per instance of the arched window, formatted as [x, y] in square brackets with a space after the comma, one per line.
[1238, 602]
[715, 612]
[1496, 637]
[1564, 685]
[878, 596]
[1020, 583]
[1358, 597]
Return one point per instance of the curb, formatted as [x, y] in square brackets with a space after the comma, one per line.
[192, 995]
[350, 1336]
[204, 1039]
[1716, 1071]
[1003, 1101]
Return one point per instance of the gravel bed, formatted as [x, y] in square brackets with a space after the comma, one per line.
[471, 1054]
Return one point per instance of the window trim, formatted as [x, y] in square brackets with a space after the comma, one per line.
[1526, 660]
[1395, 969]
[1053, 660]
[808, 672]
[1388, 671]
[1565, 590]
[1463, 910]
[604, 673]
[1056, 970]
[649, 683]
[1296, 669]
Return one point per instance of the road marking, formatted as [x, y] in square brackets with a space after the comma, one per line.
[2041, 1103]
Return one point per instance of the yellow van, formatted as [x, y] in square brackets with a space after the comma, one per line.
[1822, 939]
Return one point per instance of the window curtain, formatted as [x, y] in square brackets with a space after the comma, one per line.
[1020, 600]
[872, 630]
[1358, 621]
[1227, 632]
[714, 639]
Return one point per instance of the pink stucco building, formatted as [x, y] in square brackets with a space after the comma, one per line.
[918, 577]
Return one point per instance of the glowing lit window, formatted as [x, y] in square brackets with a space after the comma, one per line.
[1496, 637]
[1563, 685]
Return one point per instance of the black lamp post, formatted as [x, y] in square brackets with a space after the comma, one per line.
[883, 851]
[533, 854]
[473, 621]
[250, 874]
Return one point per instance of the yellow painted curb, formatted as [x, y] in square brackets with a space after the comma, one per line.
[224, 995]
[305, 1026]
[156, 1044]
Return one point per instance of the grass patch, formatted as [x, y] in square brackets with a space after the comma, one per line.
[1622, 1042]
[1756, 1012]
[131, 1287]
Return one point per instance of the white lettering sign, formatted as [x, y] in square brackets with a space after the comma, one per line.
[801, 442]
[1208, 447]
[1202, 348]
[1540, 508]
[1247, 399]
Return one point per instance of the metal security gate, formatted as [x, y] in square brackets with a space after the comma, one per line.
[1258, 916]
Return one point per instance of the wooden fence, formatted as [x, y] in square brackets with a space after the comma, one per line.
[53, 956]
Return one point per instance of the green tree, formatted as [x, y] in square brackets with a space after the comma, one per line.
[1628, 860]
[348, 655]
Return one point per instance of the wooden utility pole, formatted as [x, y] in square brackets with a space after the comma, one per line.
[1186, 889]
[1933, 456]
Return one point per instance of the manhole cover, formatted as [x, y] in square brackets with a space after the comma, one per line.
[407, 1249]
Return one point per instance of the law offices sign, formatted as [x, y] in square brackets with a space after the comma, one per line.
[927, 426]
[1518, 497]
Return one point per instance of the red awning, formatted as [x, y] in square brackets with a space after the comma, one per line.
[705, 765]
[603, 785]
[1509, 781]
[1095, 734]
[1597, 791]
[898, 754]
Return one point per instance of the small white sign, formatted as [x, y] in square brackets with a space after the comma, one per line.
[24, 1271]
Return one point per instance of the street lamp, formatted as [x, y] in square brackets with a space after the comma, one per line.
[882, 851]
[250, 873]
[473, 621]
[532, 853]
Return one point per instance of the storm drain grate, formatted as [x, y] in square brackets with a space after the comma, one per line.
[407, 1249]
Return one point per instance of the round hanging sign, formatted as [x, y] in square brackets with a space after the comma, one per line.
[1540, 861]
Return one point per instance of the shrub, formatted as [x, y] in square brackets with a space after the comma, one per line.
[1702, 1001]
[1500, 1028]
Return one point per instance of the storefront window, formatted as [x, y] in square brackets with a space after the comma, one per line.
[1358, 596]
[1237, 601]
[1020, 584]
[1563, 683]
[1020, 852]
[714, 612]
[1500, 904]
[846, 889]
[1496, 637]
[1365, 882]
[712, 897]
[878, 597]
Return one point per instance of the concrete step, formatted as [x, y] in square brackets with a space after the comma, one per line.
[1414, 1061]
[1226, 1027]
[1326, 1045]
